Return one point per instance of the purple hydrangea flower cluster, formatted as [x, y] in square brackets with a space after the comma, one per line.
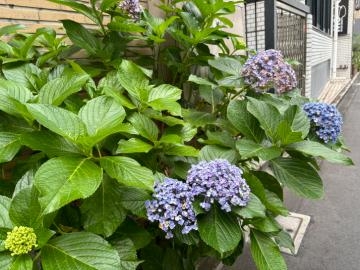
[326, 119]
[172, 207]
[268, 69]
[131, 7]
[218, 181]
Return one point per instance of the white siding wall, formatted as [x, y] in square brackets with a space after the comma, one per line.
[321, 45]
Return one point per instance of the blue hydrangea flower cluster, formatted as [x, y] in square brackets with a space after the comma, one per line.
[131, 7]
[218, 181]
[326, 119]
[172, 207]
[268, 69]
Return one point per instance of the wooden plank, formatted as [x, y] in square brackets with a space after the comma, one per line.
[19, 13]
[50, 15]
[35, 3]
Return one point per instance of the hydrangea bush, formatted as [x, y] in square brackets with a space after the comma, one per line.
[151, 158]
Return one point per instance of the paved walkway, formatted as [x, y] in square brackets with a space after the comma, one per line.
[332, 240]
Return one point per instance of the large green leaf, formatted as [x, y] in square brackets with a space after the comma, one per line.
[265, 252]
[81, 251]
[5, 221]
[144, 126]
[103, 212]
[56, 91]
[178, 149]
[102, 116]
[21, 262]
[49, 143]
[128, 172]
[135, 231]
[249, 149]
[298, 176]
[127, 254]
[210, 152]
[25, 181]
[58, 120]
[318, 150]
[226, 64]
[164, 97]
[267, 115]
[133, 145]
[285, 135]
[25, 209]
[64, 179]
[81, 8]
[219, 230]
[253, 209]
[82, 37]
[243, 121]
[298, 120]
[133, 199]
[9, 146]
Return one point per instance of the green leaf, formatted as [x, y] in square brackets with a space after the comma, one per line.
[267, 225]
[284, 239]
[253, 209]
[136, 232]
[133, 199]
[56, 91]
[219, 230]
[79, 250]
[9, 146]
[25, 209]
[144, 126]
[298, 176]
[267, 115]
[103, 212]
[164, 97]
[133, 145]
[127, 253]
[275, 204]
[58, 120]
[227, 65]
[106, 4]
[269, 182]
[51, 144]
[243, 121]
[134, 80]
[102, 116]
[81, 37]
[72, 178]
[9, 29]
[128, 172]
[285, 134]
[198, 119]
[177, 149]
[319, 150]
[5, 221]
[211, 152]
[201, 81]
[26, 181]
[265, 252]
[298, 120]
[249, 149]
[22, 262]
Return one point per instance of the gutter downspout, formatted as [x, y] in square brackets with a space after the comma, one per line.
[335, 38]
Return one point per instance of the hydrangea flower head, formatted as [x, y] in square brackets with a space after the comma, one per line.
[172, 207]
[21, 240]
[325, 119]
[268, 69]
[131, 7]
[218, 181]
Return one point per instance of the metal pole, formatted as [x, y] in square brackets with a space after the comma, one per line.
[270, 24]
[335, 38]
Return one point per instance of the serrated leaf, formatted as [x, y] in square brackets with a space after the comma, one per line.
[265, 252]
[298, 176]
[284, 239]
[267, 115]
[103, 212]
[249, 149]
[318, 150]
[9, 146]
[253, 209]
[128, 172]
[226, 64]
[127, 254]
[298, 120]
[72, 178]
[133, 199]
[285, 135]
[79, 250]
[5, 221]
[177, 149]
[198, 119]
[243, 121]
[211, 152]
[102, 116]
[56, 91]
[144, 126]
[164, 98]
[58, 120]
[219, 230]
[133, 145]
[26, 181]
[50, 143]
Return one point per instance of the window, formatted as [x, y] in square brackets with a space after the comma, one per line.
[321, 11]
